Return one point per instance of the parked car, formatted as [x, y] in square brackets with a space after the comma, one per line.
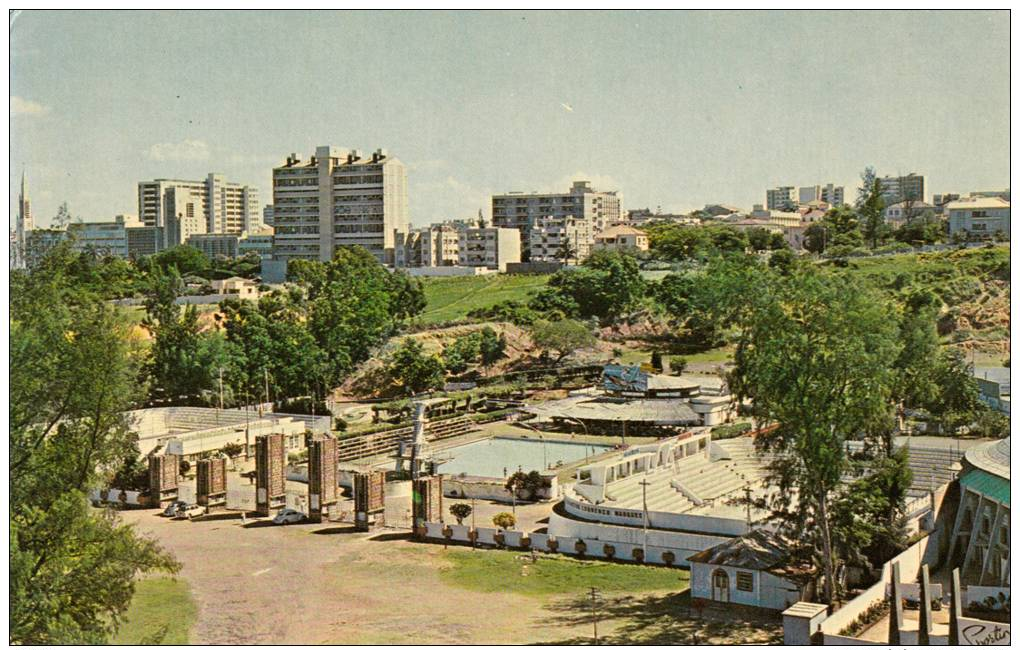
[171, 510]
[190, 510]
[288, 516]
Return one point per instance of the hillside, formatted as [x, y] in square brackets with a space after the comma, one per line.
[450, 299]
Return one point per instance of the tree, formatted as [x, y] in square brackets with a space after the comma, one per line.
[73, 375]
[607, 286]
[868, 179]
[183, 360]
[872, 211]
[673, 242]
[492, 346]
[816, 238]
[566, 252]
[232, 449]
[782, 261]
[563, 337]
[656, 360]
[758, 238]
[188, 260]
[407, 295]
[814, 357]
[460, 511]
[504, 520]
[957, 399]
[990, 424]
[414, 370]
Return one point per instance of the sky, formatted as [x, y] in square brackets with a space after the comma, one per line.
[672, 109]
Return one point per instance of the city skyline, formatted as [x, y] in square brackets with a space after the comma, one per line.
[471, 103]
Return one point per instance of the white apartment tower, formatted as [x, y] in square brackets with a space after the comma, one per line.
[24, 225]
[338, 198]
[521, 211]
[227, 208]
[781, 198]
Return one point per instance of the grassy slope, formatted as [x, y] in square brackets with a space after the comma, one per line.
[158, 602]
[450, 299]
[511, 571]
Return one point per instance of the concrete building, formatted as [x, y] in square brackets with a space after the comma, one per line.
[980, 218]
[24, 225]
[259, 242]
[898, 214]
[241, 288]
[902, 188]
[38, 242]
[104, 238]
[644, 215]
[582, 203]
[993, 382]
[554, 235]
[756, 570]
[338, 198]
[435, 245]
[491, 248]
[781, 198]
[988, 194]
[621, 238]
[831, 194]
[940, 201]
[184, 211]
[267, 215]
[979, 543]
[144, 240]
[215, 244]
[227, 207]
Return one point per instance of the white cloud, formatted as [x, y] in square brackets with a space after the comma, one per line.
[186, 150]
[22, 106]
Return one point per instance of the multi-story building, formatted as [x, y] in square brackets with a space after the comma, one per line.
[904, 212]
[435, 245]
[104, 238]
[227, 207]
[987, 194]
[521, 211]
[39, 241]
[185, 214]
[338, 198]
[563, 238]
[267, 215]
[979, 217]
[896, 189]
[490, 248]
[644, 215]
[144, 240]
[621, 238]
[781, 198]
[215, 244]
[831, 194]
[939, 201]
[259, 242]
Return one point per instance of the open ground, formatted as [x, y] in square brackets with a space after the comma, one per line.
[324, 583]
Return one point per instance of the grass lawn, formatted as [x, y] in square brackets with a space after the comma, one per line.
[450, 299]
[158, 604]
[510, 571]
[715, 355]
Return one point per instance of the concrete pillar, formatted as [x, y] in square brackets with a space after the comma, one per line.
[993, 542]
[924, 625]
[955, 609]
[975, 531]
[896, 608]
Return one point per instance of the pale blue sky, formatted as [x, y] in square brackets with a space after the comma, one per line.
[671, 108]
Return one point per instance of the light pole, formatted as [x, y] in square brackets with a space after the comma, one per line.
[594, 595]
[644, 507]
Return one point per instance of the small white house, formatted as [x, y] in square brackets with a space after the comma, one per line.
[754, 570]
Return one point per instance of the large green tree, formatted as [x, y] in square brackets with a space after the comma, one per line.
[562, 337]
[73, 375]
[608, 285]
[414, 370]
[815, 356]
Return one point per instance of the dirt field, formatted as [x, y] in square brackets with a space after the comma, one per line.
[323, 583]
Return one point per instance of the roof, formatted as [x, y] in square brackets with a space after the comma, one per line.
[654, 411]
[760, 550]
[917, 205]
[618, 230]
[999, 375]
[994, 487]
[668, 382]
[983, 203]
[992, 458]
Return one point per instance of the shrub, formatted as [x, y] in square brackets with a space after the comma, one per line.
[504, 520]
[460, 511]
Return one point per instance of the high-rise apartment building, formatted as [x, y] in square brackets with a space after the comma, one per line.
[831, 194]
[490, 248]
[781, 198]
[338, 198]
[896, 189]
[521, 211]
[228, 208]
[564, 239]
[185, 214]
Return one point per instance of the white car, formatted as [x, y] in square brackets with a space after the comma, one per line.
[189, 511]
[288, 516]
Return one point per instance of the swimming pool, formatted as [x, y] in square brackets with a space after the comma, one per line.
[490, 457]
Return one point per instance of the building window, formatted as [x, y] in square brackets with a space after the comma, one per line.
[745, 581]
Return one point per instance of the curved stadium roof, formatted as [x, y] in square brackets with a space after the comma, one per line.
[987, 470]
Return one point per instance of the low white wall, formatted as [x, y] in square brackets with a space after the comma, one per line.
[674, 521]
[489, 490]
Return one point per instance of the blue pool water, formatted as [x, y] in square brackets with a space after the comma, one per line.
[491, 456]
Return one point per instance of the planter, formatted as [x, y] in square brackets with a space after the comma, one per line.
[499, 538]
[609, 550]
[552, 544]
[638, 554]
[447, 532]
[580, 547]
[473, 536]
[525, 542]
[668, 558]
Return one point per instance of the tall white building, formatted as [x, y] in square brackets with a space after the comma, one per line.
[521, 211]
[338, 198]
[831, 194]
[24, 224]
[552, 236]
[229, 208]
